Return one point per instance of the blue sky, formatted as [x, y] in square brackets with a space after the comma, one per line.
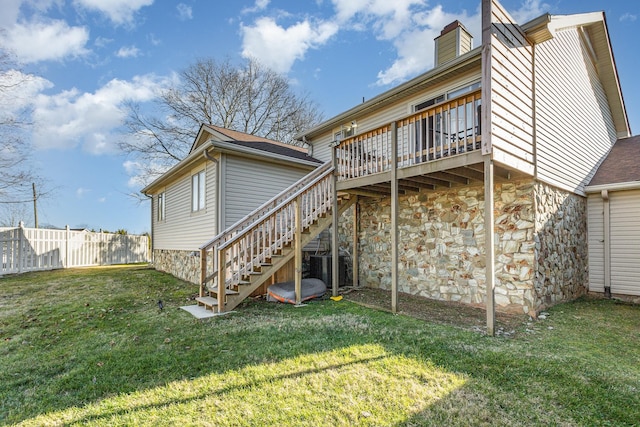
[89, 56]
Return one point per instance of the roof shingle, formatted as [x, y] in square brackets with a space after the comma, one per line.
[622, 164]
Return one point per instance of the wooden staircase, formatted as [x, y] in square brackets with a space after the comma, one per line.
[251, 251]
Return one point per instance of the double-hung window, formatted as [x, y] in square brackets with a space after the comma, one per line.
[198, 191]
[161, 206]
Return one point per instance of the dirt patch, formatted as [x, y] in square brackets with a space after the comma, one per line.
[442, 312]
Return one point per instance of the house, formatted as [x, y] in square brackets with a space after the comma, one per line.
[225, 176]
[466, 183]
[613, 200]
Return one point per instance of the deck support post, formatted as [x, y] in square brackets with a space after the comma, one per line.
[355, 262]
[335, 241]
[298, 249]
[489, 244]
[394, 217]
[222, 279]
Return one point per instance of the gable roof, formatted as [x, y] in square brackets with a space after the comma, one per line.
[254, 142]
[621, 166]
[214, 138]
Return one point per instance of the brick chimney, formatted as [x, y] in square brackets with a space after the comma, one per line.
[453, 41]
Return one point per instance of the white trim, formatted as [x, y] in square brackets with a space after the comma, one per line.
[631, 185]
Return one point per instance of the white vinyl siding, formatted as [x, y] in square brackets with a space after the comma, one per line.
[183, 229]
[249, 183]
[512, 93]
[625, 242]
[595, 229]
[574, 123]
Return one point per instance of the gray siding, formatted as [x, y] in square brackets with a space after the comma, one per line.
[595, 229]
[183, 229]
[512, 93]
[574, 124]
[249, 183]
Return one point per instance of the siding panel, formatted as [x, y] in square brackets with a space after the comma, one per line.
[511, 90]
[625, 246]
[183, 229]
[574, 123]
[249, 183]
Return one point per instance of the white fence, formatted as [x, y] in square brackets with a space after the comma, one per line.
[30, 249]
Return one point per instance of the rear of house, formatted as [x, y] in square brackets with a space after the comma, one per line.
[494, 148]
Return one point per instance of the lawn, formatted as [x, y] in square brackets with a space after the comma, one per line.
[91, 347]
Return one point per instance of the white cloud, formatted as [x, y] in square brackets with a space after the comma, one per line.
[19, 89]
[80, 192]
[118, 11]
[257, 7]
[530, 9]
[72, 118]
[278, 47]
[628, 17]
[128, 52]
[102, 199]
[185, 12]
[45, 40]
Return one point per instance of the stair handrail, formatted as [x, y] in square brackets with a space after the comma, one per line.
[284, 202]
[258, 212]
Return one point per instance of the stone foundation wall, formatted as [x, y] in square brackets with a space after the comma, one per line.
[184, 265]
[561, 246]
[442, 250]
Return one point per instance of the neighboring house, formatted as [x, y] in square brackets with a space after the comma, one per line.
[468, 181]
[614, 222]
[225, 176]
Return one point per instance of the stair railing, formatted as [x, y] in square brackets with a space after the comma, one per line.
[243, 248]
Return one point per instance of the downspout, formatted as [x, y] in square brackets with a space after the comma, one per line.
[607, 243]
[218, 204]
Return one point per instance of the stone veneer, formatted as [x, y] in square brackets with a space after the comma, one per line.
[184, 265]
[540, 245]
[561, 246]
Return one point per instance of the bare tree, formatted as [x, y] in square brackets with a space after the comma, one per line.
[250, 98]
[17, 176]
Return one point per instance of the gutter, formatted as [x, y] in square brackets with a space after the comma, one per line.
[618, 186]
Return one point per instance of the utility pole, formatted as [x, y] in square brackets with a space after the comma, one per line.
[35, 206]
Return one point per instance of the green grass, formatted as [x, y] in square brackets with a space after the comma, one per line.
[91, 347]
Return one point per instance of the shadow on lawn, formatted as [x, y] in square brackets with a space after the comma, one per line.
[508, 380]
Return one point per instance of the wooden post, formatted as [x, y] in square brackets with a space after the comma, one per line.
[66, 249]
[394, 217]
[298, 249]
[203, 271]
[355, 266]
[222, 288]
[335, 241]
[489, 244]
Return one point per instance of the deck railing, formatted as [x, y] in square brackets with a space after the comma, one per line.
[445, 129]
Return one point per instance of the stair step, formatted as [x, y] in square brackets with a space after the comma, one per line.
[210, 302]
[227, 291]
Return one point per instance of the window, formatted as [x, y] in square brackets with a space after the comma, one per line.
[161, 203]
[198, 191]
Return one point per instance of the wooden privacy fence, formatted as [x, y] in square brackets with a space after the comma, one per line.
[31, 249]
